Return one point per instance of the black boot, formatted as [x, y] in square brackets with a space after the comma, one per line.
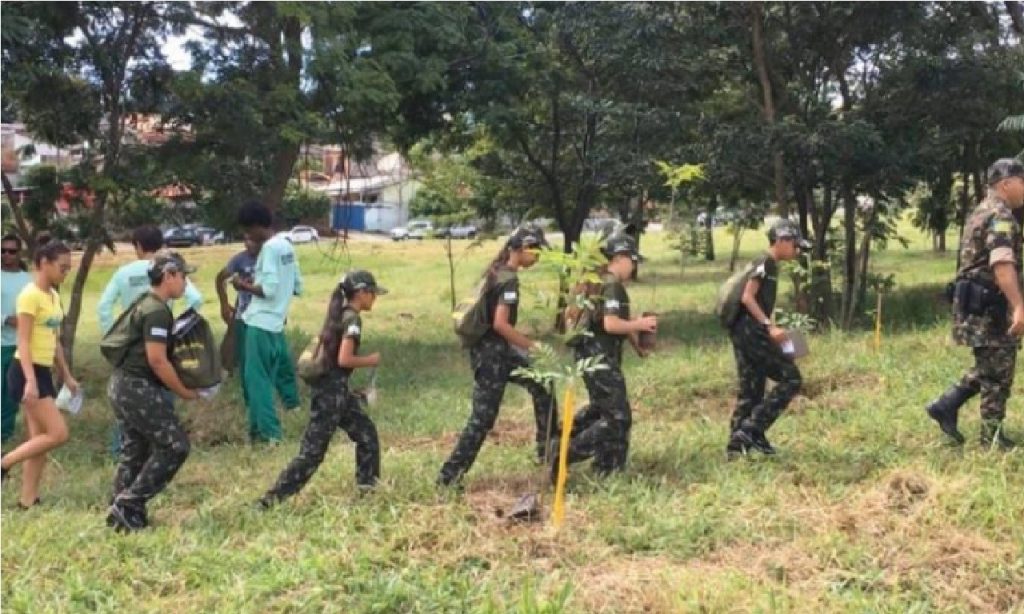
[946, 409]
[992, 436]
[751, 436]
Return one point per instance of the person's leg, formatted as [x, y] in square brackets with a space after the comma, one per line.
[240, 335]
[490, 374]
[363, 432]
[50, 432]
[995, 368]
[8, 404]
[147, 413]
[284, 374]
[604, 440]
[751, 388]
[260, 357]
[324, 415]
[545, 412]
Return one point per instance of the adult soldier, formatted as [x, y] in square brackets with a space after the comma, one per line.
[131, 281]
[756, 343]
[154, 443]
[988, 308]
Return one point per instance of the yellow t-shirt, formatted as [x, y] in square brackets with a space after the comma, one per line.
[47, 313]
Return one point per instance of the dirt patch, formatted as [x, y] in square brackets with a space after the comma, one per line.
[504, 433]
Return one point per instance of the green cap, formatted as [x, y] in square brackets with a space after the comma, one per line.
[362, 280]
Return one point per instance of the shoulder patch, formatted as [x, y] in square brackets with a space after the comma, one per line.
[511, 296]
[156, 331]
[612, 304]
[1002, 226]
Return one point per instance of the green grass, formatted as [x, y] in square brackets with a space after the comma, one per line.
[864, 510]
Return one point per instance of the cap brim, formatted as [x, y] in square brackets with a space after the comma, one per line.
[804, 244]
[380, 290]
[189, 269]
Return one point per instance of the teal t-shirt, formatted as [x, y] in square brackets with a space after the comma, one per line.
[129, 283]
[277, 273]
[11, 283]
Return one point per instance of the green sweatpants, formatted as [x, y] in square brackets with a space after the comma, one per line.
[240, 329]
[267, 367]
[8, 406]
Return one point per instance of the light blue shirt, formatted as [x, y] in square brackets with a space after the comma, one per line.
[11, 284]
[277, 273]
[129, 283]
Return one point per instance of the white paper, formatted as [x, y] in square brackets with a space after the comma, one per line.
[208, 393]
[70, 402]
[787, 347]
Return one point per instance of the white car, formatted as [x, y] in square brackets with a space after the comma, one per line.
[300, 234]
[416, 229]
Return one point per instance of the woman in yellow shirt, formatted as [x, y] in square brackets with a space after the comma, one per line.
[30, 376]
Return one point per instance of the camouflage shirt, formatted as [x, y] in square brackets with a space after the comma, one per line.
[614, 301]
[991, 234]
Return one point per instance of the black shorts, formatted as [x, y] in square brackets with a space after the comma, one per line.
[16, 381]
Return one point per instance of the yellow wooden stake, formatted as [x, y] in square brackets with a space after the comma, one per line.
[558, 509]
[878, 323]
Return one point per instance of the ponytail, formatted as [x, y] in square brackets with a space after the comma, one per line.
[331, 332]
[491, 273]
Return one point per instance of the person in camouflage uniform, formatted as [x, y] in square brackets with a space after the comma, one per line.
[601, 429]
[154, 444]
[334, 406]
[987, 306]
[499, 352]
[756, 344]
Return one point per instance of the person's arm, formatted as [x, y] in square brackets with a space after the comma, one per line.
[749, 301]
[25, 321]
[105, 308]
[507, 331]
[298, 279]
[347, 358]
[227, 311]
[1009, 285]
[193, 297]
[156, 356]
[616, 325]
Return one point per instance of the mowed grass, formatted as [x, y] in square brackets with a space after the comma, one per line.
[865, 509]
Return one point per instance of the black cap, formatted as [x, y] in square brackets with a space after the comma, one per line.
[362, 280]
[528, 236]
[1004, 168]
[622, 244]
[788, 229]
[166, 261]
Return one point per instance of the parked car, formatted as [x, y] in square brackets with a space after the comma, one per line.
[416, 229]
[182, 237]
[461, 231]
[300, 234]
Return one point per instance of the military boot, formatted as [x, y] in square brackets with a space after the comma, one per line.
[946, 409]
[992, 436]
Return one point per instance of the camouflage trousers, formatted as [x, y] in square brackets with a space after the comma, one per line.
[601, 429]
[759, 359]
[493, 362]
[333, 406]
[153, 443]
[992, 376]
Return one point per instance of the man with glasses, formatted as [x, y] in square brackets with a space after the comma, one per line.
[14, 276]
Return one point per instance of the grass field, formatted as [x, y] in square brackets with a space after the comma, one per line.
[864, 510]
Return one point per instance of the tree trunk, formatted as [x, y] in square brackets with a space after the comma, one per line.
[965, 202]
[849, 254]
[1016, 16]
[764, 78]
[19, 219]
[284, 162]
[737, 237]
[709, 228]
[821, 274]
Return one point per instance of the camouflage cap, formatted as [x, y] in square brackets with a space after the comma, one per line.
[528, 236]
[166, 261]
[362, 280]
[788, 229]
[1005, 168]
[622, 244]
